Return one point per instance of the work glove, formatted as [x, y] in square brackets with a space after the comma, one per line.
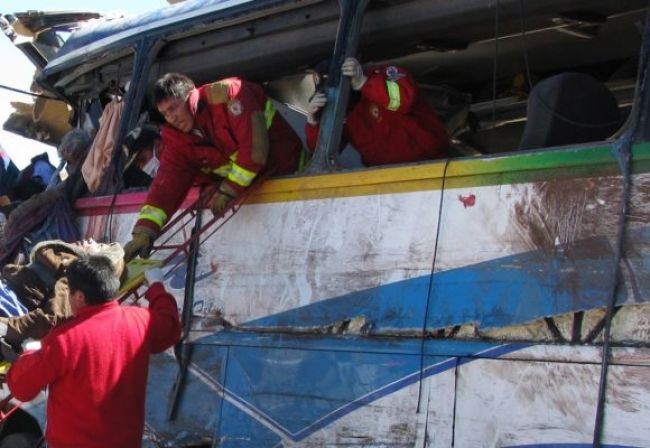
[220, 200]
[352, 69]
[140, 244]
[153, 275]
[316, 103]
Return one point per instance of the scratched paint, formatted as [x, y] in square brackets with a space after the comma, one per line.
[310, 316]
[559, 404]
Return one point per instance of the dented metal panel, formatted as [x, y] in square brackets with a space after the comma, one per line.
[376, 308]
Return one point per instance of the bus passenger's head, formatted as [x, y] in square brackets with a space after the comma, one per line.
[74, 148]
[170, 94]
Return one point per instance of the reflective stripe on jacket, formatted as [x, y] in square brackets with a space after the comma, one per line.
[221, 146]
[391, 122]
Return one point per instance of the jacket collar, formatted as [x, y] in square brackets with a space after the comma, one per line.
[89, 310]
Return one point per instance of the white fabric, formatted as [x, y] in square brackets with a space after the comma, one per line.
[151, 167]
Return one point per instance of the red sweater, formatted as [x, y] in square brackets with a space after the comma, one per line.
[391, 123]
[96, 368]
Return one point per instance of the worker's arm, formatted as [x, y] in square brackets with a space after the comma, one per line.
[35, 370]
[165, 328]
[168, 189]
[249, 129]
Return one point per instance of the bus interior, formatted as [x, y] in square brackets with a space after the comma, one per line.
[502, 75]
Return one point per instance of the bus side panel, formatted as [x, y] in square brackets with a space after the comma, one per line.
[525, 403]
[344, 265]
[522, 402]
[309, 264]
[541, 245]
[319, 397]
[199, 403]
[437, 403]
[635, 266]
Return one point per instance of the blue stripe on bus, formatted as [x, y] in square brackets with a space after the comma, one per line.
[492, 294]
[289, 386]
[261, 386]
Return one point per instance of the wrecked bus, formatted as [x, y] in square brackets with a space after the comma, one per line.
[497, 298]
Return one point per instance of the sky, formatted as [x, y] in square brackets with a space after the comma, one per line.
[21, 71]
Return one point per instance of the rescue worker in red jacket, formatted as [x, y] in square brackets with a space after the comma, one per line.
[95, 366]
[390, 122]
[226, 131]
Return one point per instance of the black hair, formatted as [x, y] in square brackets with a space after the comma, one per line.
[93, 275]
[172, 85]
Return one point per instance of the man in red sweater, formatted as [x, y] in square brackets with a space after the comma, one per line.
[227, 131]
[96, 364]
[389, 122]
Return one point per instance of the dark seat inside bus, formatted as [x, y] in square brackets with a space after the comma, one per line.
[569, 108]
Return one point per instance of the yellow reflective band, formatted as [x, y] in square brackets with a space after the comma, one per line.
[241, 176]
[154, 214]
[269, 113]
[224, 170]
[393, 95]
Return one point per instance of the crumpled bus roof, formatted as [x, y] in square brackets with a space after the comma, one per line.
[105, 32]
[96, 31]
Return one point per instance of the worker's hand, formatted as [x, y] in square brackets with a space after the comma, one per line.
[316, 103]
[153, 275]
[140, 244]
[352, 68]
[219, 202]
[8, 352]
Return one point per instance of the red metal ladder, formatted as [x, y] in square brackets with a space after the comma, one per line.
[182, 221]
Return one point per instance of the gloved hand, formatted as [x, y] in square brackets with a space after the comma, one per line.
[140, 244]
[8, 352]
[352, 68]
[316, 103]
[219, 202]
[153, 275]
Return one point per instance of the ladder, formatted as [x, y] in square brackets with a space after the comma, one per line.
[190, 249]
[131, 290]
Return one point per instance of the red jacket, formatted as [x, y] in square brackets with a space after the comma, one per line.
[96, 368]
[391, 123]
[222, 111]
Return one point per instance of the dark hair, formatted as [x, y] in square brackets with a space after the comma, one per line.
[74, 146]
[93, 275]
[172, 85]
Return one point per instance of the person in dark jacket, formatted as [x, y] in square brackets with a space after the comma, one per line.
[27, 216]
[33, 179]
[8, 173]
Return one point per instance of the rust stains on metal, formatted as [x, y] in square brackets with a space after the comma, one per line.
[555, 213]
